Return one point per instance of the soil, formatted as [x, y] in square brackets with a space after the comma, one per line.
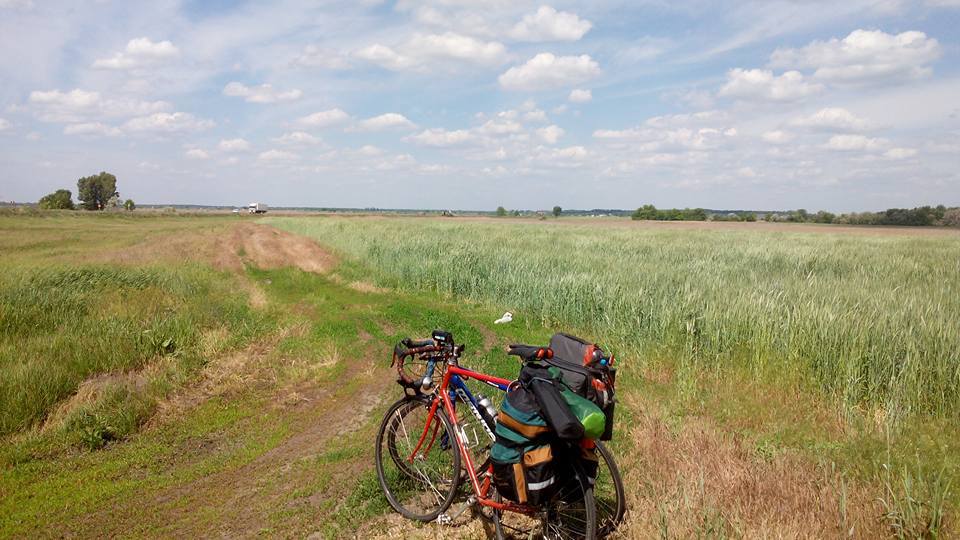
[228, 248]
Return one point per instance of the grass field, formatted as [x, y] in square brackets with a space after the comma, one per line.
[870, 319]
[184, 376]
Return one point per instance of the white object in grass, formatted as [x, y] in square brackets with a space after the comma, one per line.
[507, 317]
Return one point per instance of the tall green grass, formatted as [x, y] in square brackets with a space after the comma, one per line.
[870, 319]
[64, 320]
[59, 326]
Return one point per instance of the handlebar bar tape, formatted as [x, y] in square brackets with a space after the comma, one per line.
[530, 352]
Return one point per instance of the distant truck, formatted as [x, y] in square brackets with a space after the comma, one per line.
[257, 208]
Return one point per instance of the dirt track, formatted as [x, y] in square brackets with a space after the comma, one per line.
[229, 247]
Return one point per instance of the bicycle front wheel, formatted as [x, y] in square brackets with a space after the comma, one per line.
[418, 464]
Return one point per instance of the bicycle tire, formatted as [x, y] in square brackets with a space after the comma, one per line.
[392, 431]
[441, 489]
[609, 514]
[576, 488]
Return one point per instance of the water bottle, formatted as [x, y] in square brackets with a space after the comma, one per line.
[487, 405]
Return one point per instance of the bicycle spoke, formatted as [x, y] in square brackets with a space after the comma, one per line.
[418, 477]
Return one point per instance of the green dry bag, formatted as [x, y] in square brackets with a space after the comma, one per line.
[587, 412]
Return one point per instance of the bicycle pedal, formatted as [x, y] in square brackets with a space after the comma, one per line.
[447, 519]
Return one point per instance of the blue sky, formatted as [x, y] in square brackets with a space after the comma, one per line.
[831, 105]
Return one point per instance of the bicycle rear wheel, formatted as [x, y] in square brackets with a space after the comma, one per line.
[608, 492]
[418, 477]
[572, 512]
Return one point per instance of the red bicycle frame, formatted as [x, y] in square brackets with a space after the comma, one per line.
[480, 489]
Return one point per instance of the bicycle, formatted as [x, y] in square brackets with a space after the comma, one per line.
[431, 466]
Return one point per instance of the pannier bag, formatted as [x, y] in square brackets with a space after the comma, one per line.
[547, 388]
[568, 414]
[587, 371]
[523, 467]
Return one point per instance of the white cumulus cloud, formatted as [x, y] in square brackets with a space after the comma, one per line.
[548, 24]
[777, 137]
[546, 70]
[234, 145]
[196, 153]
[455, 46]
[503, 124]
[558, 156]
[277, 156]
[900, 153]
[297, 138]
[264, 93]
[834, 119]
[550, 134]
[80, 105]
[856, 143]
[167, 123]
[439, 137]
[424, 51]
[314, 56]
[385, 56]
[864, 55]
[761, 84]
[92, 128]
[331, 117]
[580, 96]
[139, 52]
[386, 121]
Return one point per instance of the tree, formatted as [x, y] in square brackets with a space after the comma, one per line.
[129, 204]
[501, 211]
[647, 211]
[823, 217]
[951, 217]
[60, 199]
[95, 191]
[557, 211]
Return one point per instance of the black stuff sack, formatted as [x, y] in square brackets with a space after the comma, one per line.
[546, 388]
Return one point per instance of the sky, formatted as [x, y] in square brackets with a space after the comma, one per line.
[474, 104]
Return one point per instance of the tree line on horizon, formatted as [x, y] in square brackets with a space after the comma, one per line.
[95, 192]
[911, 217]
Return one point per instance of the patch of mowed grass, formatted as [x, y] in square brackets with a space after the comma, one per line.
[63, 322]
[871, 319]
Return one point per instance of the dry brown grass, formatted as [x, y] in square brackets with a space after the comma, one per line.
[694, 479]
